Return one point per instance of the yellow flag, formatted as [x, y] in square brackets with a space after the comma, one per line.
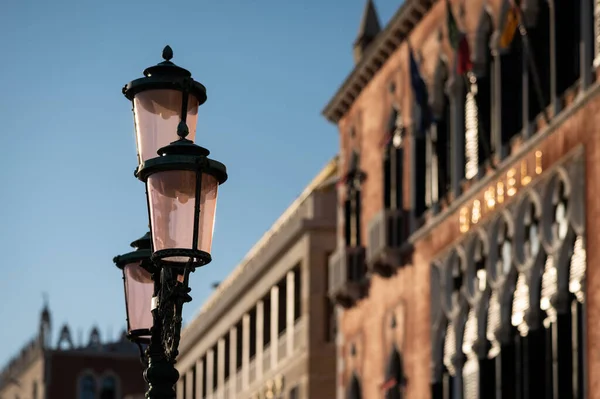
[510, 28]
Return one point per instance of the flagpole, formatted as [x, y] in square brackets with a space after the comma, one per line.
[532, 66]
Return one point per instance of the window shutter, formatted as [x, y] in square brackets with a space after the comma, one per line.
[471, 136]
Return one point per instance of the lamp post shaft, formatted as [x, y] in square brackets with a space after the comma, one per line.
[161, 374]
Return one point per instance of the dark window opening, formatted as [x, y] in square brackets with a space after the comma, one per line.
[539, 47]
[568, 34]
[252, 334]
[392, 164]
[354, 390]
[394, 376]
[282, 314]
[267, 319]
[352, 204]
[420, 170]
[239, 345]
[457, 276]
[185, 382]
[204, 376]
[294, 393]
[193, 382]
[108, 389]
[227, 350]
[297, 292]
[511, 91]
[215, 368]
[441, 138]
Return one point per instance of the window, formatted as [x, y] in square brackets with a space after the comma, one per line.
[352, 204]
[294, 393]
[392, 163]
[193, 382]
[184, 382]
[87, 387]
[267, 319]
[354, 391]
[440, 134]
[34, 390]
[568, 34]
[252, 334]
[215, 381]
[227, 355]
[297, 292]
[539, 47]
[109, 388]
[239, 345]
[204, 376]
[511, 91]
[282, 315]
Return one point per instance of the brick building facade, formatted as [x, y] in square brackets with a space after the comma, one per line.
[467, 204]
[96, 370]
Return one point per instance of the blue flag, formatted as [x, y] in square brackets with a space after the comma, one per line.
[422, 112]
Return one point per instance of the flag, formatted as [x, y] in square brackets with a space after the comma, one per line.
[464, 63]
[423, 116]
[454, 33]
[510, 27]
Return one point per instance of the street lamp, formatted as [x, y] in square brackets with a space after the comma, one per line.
[181, 193]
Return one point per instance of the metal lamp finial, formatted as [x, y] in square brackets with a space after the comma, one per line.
[167, 53]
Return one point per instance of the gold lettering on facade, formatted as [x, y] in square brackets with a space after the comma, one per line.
[476, 212]
[490, 198]
[538, 162]
[511, 182]
[506, 186]
[500, 192]
[525, 178]
[464, 219]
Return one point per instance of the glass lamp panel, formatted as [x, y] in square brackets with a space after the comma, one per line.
[208, 207]
[171, 196]
[139, 289]
[157, 114]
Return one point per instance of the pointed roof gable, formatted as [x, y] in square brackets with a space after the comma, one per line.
[369, 28]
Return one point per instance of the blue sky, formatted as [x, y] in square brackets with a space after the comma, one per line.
[70, 201]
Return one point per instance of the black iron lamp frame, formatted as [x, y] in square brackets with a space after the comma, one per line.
[171, 279]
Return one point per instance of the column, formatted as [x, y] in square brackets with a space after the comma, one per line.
[274, 325]
[289, 302]
[587, 40]
[221, 365]
[189, 386]
[210, 366]
[232, 360]
[199, 368]
[260, 315]
[179, 389]
[245, 351]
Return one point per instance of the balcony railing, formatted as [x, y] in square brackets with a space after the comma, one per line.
[388, 247]
[347, 275]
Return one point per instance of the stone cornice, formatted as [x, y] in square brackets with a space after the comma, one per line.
[388, 40]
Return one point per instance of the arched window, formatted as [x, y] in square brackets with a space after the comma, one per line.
[393, 159]
[109, 388]
[354, 391]
[87, 387]
[394, 375]
[352, 205]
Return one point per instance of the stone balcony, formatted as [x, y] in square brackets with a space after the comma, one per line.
[347, 275]
[388, 247]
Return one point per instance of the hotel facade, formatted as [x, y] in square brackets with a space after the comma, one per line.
[468, 210]
[266, 332]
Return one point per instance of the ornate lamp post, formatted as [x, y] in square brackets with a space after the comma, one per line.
[181, 191]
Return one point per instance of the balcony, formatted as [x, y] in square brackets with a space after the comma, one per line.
[347, 275]
[388, 247]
